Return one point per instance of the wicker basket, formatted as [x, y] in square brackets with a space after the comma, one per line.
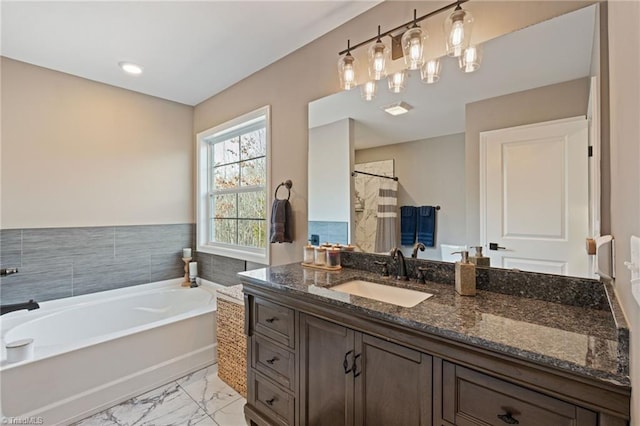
[232, 346]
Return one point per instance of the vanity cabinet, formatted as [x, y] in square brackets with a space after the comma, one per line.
[316, 364]
[470, 398]
[348, 377]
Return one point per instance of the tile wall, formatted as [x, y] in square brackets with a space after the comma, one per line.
[333, 232]
[61, 262]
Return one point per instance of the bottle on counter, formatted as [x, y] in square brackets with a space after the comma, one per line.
[478, 258]
[333, 257]
[309, 253]
[320, 256]
[465, 275]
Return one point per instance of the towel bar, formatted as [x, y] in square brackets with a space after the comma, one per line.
[287, 184]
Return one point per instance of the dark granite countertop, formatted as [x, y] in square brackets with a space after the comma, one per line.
[579, 340]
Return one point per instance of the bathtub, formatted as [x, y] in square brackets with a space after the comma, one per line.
[97, 350]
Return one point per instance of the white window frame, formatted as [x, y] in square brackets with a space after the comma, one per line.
[258, 255]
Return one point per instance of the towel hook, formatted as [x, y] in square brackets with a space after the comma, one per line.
[288, 184]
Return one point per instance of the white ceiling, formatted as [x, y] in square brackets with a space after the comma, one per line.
[550, 52]
[189, 50]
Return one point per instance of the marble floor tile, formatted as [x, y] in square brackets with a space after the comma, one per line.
[211, 393]
[198, 375]
[168, 405]
[199, 398]
[232, 414]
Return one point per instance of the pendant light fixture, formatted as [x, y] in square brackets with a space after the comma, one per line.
[413, 41]
[409, 40]
[378, 59]
[470, 60]
[347, 69]
[368, 90]
[430, 71]
[457, 29]
[397, 81]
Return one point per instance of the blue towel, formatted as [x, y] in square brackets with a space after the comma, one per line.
[426, 225]
[408, 216]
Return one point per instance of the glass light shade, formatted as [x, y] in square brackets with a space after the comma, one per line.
[470, 60]
[347, 71]
[457, 29]
[430, 71]
[368, 90]
[413, 41]
[378, 59]
[397, 81]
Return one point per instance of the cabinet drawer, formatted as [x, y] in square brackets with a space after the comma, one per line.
[473, 398]
[273, 361]
[274, 321]
[273, 401]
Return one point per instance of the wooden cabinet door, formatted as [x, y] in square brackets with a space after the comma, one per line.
[392, 384]
[326, 385]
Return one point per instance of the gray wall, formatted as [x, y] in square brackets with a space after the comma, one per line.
[430, 172]
[563, 100]
[63, 262]
[624, 56]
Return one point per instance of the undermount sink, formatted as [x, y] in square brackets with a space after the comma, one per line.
[383, 293]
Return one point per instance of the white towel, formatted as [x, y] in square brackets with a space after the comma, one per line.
[386, 236]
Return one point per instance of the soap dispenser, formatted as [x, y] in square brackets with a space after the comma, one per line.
[465, 275]
[478, 258]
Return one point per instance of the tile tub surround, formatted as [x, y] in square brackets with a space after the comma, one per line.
[61, 262]
[222, 270]
[200, 398]
[574, 339]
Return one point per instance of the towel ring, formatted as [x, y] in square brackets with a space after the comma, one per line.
[288, 184]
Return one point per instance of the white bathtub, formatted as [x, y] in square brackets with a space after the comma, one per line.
[96, 350]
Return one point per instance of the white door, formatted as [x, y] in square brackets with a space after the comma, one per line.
[534, 197]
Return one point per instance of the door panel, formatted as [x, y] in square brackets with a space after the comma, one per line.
[535, 196]
[541, 212]
[326, 390]
[393, 384]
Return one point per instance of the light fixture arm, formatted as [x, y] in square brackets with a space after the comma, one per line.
[414, 21]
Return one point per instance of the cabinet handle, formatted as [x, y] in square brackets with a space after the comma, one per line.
[272, 360]
[354, 367]
[507, 418]
[271, 401]
[272, 319]
[345, 363]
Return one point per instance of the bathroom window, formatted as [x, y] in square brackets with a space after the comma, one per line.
[233, 173]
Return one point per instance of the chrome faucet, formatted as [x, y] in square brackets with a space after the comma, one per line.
[416, 247]
[401, 266]
[8, 271]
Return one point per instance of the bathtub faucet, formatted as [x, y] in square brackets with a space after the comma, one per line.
[30, 305]
[8, 271]
[194, 284]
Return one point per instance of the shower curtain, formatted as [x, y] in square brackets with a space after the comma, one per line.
[387, 216]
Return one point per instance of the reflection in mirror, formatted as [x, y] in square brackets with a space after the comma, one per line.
[448, 148]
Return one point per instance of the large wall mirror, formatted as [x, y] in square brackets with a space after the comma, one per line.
[501, 151]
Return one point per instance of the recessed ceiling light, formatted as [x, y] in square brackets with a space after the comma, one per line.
[397, 108]
[130, 68]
